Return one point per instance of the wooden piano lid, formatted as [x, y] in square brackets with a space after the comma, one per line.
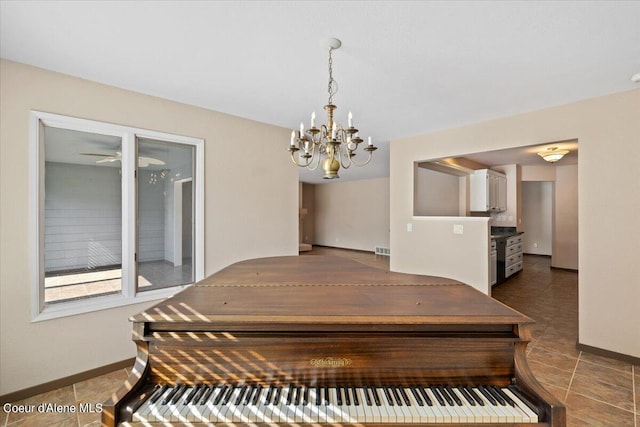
[286, 293]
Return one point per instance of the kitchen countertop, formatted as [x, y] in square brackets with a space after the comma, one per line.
[505, 235]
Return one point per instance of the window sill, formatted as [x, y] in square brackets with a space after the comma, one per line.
[91, 304]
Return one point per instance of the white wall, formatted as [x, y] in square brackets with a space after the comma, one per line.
[352, 214]
[250, 212]
[567, 218]
[151, 217]
[436, 193]
[85, 232]
[537, 217]
[608, 201]
[440, 251]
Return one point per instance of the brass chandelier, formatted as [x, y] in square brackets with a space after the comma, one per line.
[330, 141]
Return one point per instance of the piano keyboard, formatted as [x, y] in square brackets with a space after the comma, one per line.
[246, 403]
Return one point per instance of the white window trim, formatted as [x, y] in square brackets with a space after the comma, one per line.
[128, 295]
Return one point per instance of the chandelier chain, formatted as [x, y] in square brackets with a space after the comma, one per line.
[331, 87]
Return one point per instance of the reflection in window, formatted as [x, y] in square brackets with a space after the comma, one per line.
[82, 215]
[165, 214]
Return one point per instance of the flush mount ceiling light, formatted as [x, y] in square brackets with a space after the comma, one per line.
[636, 78]
[553, 154]
[335, 143]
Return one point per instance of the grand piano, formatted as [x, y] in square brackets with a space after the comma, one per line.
[326, 341]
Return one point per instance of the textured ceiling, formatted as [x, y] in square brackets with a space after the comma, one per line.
[404, 68]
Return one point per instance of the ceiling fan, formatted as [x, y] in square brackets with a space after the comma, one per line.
[143, 161]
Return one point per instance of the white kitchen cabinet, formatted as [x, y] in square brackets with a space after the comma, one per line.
[513, 255]
[488, 191]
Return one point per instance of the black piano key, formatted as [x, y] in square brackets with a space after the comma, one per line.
[318, 396]
[327, 398]
[276, 398]
[356, 401]
[339, 396]
[267, 399]
[367, 397]
[202, 388]
[387, 393]
[466, 395]
[406, 399]
[296, 398]
[474, 395]
[220, 393]
[416, 396]
[243, 390]
[488, 395]
[257, 395]
[169, 396]
[438, 396]
[445, 395]
[496, 395]
[376, 397]
[504, 396]
[227, 396]
[347, 398]
[155, 396]
[396, 394]
[425, 396]
[524, 399]
[248, 396]
[208, 393]
[290, 394]
[179, 394]
[305, 399]
[453, 395]
[189, 396]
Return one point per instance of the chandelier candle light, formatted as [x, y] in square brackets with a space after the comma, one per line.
[336, 144]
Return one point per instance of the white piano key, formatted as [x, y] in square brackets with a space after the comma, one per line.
[529, 415]
[414, 407]
[469, 414]
[246, 412]
[403, 412]
[445, 416]
[494, 415]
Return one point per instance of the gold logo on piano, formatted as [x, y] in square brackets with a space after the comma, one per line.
[330, 362]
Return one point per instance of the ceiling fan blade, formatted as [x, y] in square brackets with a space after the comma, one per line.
[150, 160]
[96, 154]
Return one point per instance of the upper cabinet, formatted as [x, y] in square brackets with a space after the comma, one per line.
[488, 190]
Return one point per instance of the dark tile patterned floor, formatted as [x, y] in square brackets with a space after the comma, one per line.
[596, 390]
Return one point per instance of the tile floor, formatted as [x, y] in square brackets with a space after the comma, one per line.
[597, 391]
[65, 286]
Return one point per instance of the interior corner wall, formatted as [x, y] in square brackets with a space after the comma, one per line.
[566, 219]
[608, 201]
[352, 214]
[250, 211]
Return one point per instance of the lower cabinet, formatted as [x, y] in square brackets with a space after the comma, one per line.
[510, 257]
[513, 255]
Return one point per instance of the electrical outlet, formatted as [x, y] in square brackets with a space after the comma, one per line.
[458, 229]
[409, 227]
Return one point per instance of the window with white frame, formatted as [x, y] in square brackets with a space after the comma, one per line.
[117, 215]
